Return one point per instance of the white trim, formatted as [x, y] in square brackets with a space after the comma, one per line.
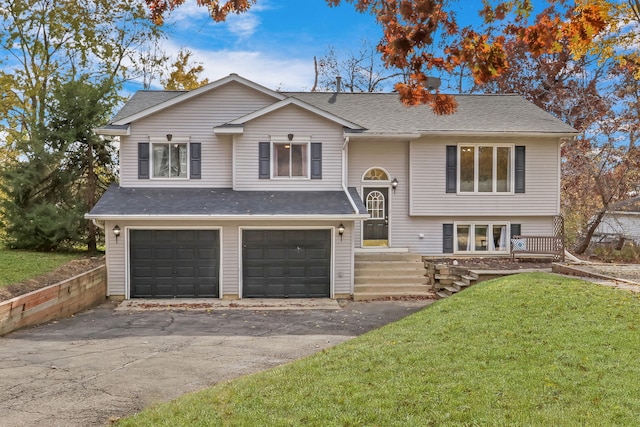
[391, 135]
[336, 217]
[472, 225]
[112, 132]
[228, 130]
[476, 168]
[384, 181]
[332, 261]
[387, 185]
[283, 139]
[293, 101]
[127, 266]
[180, 140]
[203, 89]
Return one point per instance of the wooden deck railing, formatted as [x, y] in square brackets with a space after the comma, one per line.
[537, 245]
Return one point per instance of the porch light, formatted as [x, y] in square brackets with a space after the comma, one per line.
[169, 137]
[290, 137]
[394, 185]
[116, 231]
[341, 230]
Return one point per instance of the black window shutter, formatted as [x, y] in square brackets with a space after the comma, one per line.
[264, 160]
[520, 169]
[316, 160]
[452, 169]
[195, 171]
[447, 238]
[515, 230]
[143, 160]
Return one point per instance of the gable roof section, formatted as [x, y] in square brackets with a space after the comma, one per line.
[293, 101]
[149, 102]
[384, 114]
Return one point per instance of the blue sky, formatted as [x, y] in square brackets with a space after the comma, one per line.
[275, 42]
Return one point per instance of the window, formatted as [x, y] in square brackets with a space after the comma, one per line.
[375, 174]
[169, 160]
[485, 169]
[290, 160]
[375, 205]
[481, 237]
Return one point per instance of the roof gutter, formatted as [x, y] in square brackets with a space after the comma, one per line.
[332, 217]
[365, 135]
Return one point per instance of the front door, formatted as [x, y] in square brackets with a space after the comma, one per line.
[376, 228]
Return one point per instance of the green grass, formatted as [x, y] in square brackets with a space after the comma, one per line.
[17, 266]
[527, 350]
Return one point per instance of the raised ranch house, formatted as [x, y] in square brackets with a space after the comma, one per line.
[234, 190]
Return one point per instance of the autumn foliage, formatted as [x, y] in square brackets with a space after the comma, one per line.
[413, 27]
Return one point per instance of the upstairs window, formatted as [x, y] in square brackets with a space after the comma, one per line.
[485, 168]
[291, 160]
[169, 160]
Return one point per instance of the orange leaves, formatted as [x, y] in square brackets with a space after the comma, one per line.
[589, 20]
[218, 10]
[416, 94]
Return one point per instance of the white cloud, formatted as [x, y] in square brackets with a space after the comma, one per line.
[289, 74]
[243, 25]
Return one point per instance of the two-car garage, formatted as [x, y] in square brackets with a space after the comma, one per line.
[184, 263]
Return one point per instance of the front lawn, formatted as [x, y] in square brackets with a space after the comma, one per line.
[532, 349]
[17, 265]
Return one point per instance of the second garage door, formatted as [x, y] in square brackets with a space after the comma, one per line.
[286, 263]
[174, 263]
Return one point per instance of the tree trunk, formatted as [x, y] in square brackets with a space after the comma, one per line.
[92, 246]
[591, 229]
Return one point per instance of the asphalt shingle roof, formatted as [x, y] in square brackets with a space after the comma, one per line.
[119, 201]
[384, 113]
[144, 99]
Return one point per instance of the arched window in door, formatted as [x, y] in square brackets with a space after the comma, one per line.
[375, 204]
[375, 174]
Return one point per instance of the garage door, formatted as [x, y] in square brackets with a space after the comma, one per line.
[174, 263]
[286, 263]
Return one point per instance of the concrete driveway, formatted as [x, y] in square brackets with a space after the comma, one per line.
[104, 363]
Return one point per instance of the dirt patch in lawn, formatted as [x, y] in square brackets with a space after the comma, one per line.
[67, 271]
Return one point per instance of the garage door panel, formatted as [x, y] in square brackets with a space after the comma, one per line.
[174, 263]
[286, 263]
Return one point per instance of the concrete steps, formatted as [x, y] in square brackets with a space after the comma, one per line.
[388, 275]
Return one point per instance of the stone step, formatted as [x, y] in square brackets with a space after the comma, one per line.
[469, 280]
[365, 296]
[388, 256]
[452, 289]
[443, 294]
[461, 285]
[396, 287]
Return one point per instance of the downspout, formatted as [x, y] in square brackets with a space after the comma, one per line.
[344, 175]
[96, 222]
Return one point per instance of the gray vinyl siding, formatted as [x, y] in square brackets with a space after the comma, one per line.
[196, 119]
[230, 232]
[427, 169]
[391, 156]
[405, 229]
[301, 123]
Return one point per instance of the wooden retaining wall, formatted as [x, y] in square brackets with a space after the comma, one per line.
[54, 302]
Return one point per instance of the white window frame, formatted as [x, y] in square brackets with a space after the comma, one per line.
[306, 141]
[476, 169]
[472, 228]
[163, 141]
